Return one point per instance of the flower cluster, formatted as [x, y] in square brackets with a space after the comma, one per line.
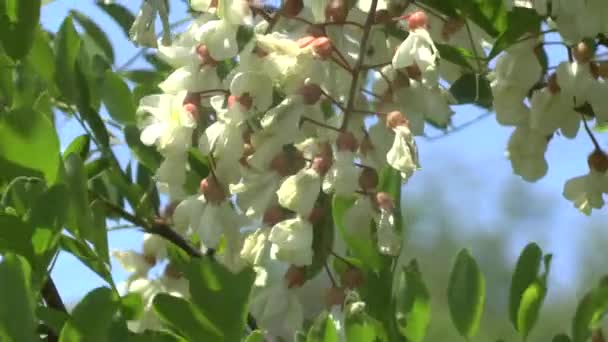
[316, 99]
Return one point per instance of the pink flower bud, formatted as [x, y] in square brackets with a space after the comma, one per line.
[417, 20]
[384, 201]
[322, 47]
[311, 93]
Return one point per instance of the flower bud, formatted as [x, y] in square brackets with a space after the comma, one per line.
[315, 30]
[413, 72]
[347, 142]
[336, 11]
[335, 296]
[291, 8]
[245, 100]
[280, 164]
[321, 165]
[295, 276]
[212, 190]
[396, 118]
[305, 41]
[316, 215]
[417, 20]
[322, 47]
[150, 259]
[352, 278]
[260, 52]
[311, 93]
[368, 179]
[598, 161]
[204, 56]
[583, 52]
[552, 84]
[384, 201]
[171, 271]
[192, 109]
[273, 215]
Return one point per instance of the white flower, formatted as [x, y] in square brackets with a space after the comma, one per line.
[255, 85]
[148, 289]
[357, 218]
[403, 155]
[417, 49]
[552, 111]
[169, 125]
[220, 38]
[154, 246]
[586, 192]
[526, 150]
[256, 247]
[519, 66]
[299, 192]
[292, 241]
[575, 81]
[343, 176]
[509, 103]
[142, 32]
[171, 174]
[276, 306]
[135, 263]
[192, 78]
[599, 100]
[256, 191]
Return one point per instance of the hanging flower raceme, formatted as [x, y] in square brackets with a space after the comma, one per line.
[587, 192]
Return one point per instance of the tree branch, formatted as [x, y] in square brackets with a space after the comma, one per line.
[53, 300]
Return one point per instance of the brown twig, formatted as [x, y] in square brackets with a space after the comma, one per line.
[357, 68]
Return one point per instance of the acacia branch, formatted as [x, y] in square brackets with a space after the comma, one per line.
[369, 21]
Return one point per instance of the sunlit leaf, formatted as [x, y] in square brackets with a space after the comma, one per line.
[466, 294]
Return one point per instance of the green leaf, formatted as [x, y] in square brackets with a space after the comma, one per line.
[244, 34]
[87, 256]
[221, 296]
[123, 17]
[98, 235]
[80, 146]
[489, 15]
[21, 192]
[472, 88]
[132, 306]
[529, 308]
[49, 214]
[156, 336]
[15, 236]
[526, 272]
[185, 319]
[80, 221]
[360, 246]
[19, 26]
[256, 336]
[28, 139]
[589, 312]
[146, 155]
[456, 55]
[118, 99]
[413, 304]
[52, 318]
[360, 327]
[95, 167]
[92, 317]
[42, 59]
[198, 163]
[93, 119]
[323, 329]
[67, 46]
[466, 294]
[96, 33]
[561, 338]
[519, 22]
[17, 321]
[144, 77]
[390, 182]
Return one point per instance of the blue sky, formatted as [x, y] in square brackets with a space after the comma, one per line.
[480, 146]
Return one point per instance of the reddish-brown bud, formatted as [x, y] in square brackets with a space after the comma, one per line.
[322, 47]
[582, 52]
[150, 259]
[245, 100]
[258, 51]
[316, 215]
[295, 276]
[335, 296]
[598, 161]
[291, 8]
[273, 215]
[321, 165]
[316, 30]
[204, 56]
[171, 271]
[552, 84]
[311, 93]
[396, 118]
[336, 11]
[192, 109]
[413, 72]
[368, 179]
[280, 164]
[212, 189]
[347, 142]
[305, 41]
[384, 201]
[169, 209]
[353, 278]
[417, 20]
